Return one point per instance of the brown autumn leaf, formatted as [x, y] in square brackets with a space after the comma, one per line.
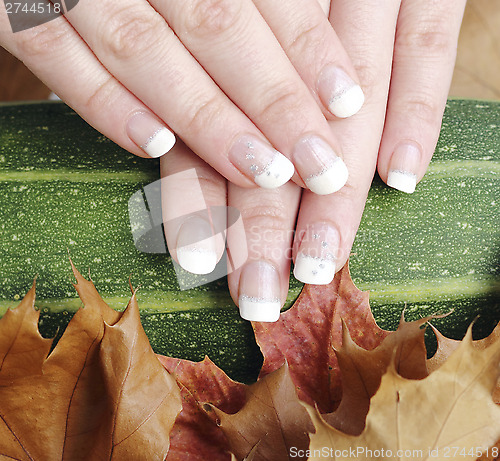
[22, 348]
[196, 435]
[362, 371]
[101, 393]
[445, 347]
[307, 334]
[450, 412]
[274, 434]
[271, 423]
[308, 322]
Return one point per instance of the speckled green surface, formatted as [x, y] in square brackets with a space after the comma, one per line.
[439, 248]
[66, 187]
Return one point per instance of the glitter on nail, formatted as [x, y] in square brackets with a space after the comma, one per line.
[314, 272]
[249, 145]
[254, 168]
[315, 236]
[249, 156]
[324, 244]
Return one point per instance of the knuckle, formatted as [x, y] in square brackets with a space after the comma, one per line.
[424, 107]
[351, 192]
[430, 38]
[42, 40]
[212, 185]
[130, 33]
[271, 214]
[211, 17]
[281, 101]
[310, 39]
[370, 77]
[206, 114]
[101, 96]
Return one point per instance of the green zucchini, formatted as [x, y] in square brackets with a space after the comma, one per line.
[66, 187]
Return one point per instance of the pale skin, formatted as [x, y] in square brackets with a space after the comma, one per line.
[401, 53]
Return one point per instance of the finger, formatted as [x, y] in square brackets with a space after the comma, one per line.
[325, 6]
[56, 52]
[189, 190]
[314, 49]
[237, 48]
[260, 287]
[326, 226]
[424, 57]
[58, 56]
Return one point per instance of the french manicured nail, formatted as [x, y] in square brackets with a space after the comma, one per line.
[150, 134]
[339, 92]
[259, 293]
[404, 166]
[322, 170]
[195, 247]
[315, 261]
[261, 162]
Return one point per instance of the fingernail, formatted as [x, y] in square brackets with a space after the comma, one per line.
[339, 92]
[261, 162]
[404, 166]
[195, 246]
[259, 295]
[150, 134]
[322, 170]
[315, 261]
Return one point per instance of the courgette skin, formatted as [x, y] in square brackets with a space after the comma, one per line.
[65, 186]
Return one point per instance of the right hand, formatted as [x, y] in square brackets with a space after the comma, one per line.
[218, 73]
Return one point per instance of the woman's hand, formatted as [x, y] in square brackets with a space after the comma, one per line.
[245, 84]
[404, 55]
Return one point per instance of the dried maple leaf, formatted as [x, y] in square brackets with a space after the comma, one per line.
[101, 393]
[445, 347]
[249, 457]
[307, 334]
[196, 435]
[450, 412]
[362, 370]
[271, 422]
[22, 348]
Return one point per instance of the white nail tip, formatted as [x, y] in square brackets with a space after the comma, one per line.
[160, 143]
[258, 309]
[402, 180]
[197, 261]
[347, 103]
[329, 180]
[315, 271]
[276, 173]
